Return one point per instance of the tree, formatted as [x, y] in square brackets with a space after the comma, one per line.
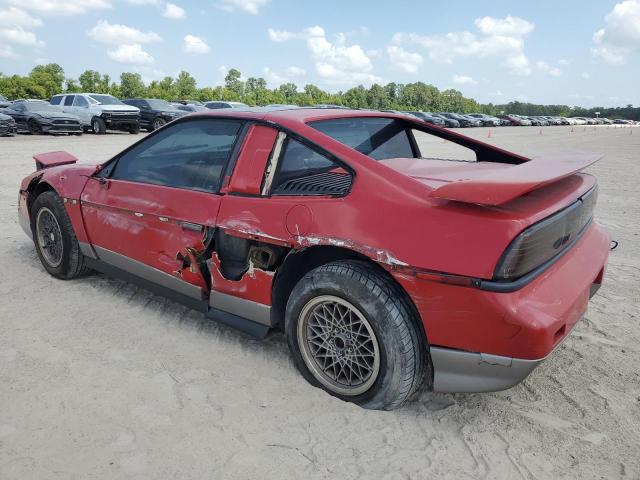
[49, 78]
[89, 80]
[232, 82]
[185, 86]
[131, 85]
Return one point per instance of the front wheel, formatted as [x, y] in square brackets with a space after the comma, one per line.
[34, 127]
[353, 333]
[134, 128]
[98, 126]
[55, 240]
[157, 123]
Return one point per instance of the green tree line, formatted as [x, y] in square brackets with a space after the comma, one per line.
[45, 81]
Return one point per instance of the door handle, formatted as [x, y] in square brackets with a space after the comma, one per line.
[194, 227]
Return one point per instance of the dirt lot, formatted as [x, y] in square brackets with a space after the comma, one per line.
[101, 379]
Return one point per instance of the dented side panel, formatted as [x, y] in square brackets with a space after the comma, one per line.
[159, 226]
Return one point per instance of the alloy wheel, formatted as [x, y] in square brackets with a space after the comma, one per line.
[49, 237]
[338, 345]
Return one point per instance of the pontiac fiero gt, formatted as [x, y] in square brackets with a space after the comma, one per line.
[386, 268]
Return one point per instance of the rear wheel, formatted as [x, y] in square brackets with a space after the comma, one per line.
[55, 240]
[353, 333]
[98, 126]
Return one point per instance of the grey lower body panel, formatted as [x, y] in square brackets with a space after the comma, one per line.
[457, 371]
[148, 273]
[25, 224]
[254, 311]
[87, 250]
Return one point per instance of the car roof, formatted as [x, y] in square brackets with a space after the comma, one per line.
[299, 115]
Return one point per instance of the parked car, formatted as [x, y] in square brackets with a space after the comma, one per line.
[448, 122]
[536, 121]
[37, 117]
[99, 112]
[7, 125]
[189, 102]
[4, 102]
[234, 214]
[462, 120]
[487, 120]
[425, 117]
[190, 107]
[516, 120]
[217, 104]
[622, 121]
[606, 121]
[154, 112]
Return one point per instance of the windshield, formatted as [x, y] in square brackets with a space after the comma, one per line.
[378, 137]
[160, 105]
[40, 107]
[106, 99]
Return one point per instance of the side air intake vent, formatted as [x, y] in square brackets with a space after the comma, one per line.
[327, 183]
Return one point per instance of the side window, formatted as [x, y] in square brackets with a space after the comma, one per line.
[80, 101]
[189, 155]
[303, 171]
[68, 100]
[55, 100]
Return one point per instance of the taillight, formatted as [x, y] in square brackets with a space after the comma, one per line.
[546, 239]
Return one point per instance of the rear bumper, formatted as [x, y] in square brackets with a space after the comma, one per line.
[500, 337]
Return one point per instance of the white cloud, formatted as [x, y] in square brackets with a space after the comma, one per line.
[6, 51]
[585, 75]
[544, 67]
[403, 60]
[291, 74]
[61, 7]
[463, 80]
[508, 26]
[620, 37]
[248, 6]
[174, 12]
[195, 45]
[133, 54]
[501, 38]
[20, 36]
[564, 61]
[14, 17]
[116, 34]
[335, 62]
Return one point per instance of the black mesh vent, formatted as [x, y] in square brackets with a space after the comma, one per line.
[327, 183]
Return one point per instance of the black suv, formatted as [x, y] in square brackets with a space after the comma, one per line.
[154, 112]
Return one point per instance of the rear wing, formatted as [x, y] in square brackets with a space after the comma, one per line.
[53, 159]
[498, 187]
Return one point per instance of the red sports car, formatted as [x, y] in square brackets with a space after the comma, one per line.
[386, 268]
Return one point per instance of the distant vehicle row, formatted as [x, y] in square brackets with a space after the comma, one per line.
[75, 113]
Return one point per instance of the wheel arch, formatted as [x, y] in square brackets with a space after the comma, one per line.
[299, 262]
[36, 187]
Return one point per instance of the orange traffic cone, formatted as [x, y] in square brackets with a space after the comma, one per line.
[489, 134]
[571, 129]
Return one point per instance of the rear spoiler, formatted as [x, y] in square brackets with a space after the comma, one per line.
[53, 159]
[498, 187]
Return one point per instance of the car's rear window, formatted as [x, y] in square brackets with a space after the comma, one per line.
[378, 137]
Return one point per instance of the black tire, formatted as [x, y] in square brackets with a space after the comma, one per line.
[402, 346]
[98, 126]
[34, 127]
[157, 123]
[134, 129]
[72, 262]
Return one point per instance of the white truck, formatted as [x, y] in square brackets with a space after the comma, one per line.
[99, 112]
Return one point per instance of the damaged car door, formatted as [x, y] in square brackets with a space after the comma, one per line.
[151, 211]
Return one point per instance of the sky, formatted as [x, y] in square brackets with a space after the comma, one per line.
[573, 52]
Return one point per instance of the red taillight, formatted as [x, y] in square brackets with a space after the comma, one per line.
[546, 239]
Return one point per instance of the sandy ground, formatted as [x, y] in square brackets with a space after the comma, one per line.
[101, 379]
